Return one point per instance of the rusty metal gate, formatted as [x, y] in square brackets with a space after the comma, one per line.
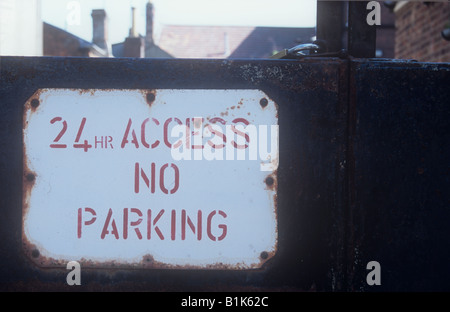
[363, 171]
[362, 176]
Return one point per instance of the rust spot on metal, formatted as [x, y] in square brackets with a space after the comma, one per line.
[35, 253]
[149, 262]
[35, 256]
[29, 180]
[263, 102]
[30, 177]
[264, 255]
[269, 181]
[32, 104]
[85, 91]
[150, 96]
[268, 254]
[35, 103]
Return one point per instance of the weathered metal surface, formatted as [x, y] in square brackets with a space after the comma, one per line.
[331, 19]
[361, 36]
[309, 182]
[334, 17]
[166, 178]
[362, 175]
[399, 179]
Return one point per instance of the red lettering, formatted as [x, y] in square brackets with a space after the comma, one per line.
[240, 133]
[153, 166]
[113, 224]
[61, 133]
[218, 133]
[185, 219]
[220, 226]
[80, 219]
[177, 179]
[143, 141]
[166, 130]
[133, 217]
[134, 223]
[173, 225]
[125, 136]
[144, 177]
[150, 223]
[151, 183]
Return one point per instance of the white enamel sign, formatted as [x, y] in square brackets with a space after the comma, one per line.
[150, 178]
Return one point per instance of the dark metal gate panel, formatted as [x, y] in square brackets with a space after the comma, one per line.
[363, 171]
[312, 100]
[399, 181]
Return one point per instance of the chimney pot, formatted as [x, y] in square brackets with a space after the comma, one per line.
[100, 29]
[133, 30]
[149, 32]
[134, 47]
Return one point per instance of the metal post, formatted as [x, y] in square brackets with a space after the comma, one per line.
[361, 35]
[330, 24]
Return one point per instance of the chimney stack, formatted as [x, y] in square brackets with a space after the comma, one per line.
[149, 32]
[134, 45]
[100, 30]
[133, 30]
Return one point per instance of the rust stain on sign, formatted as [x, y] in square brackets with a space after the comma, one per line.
[150, 178]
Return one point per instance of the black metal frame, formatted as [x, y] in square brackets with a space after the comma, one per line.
[335, 18]
[363, 171]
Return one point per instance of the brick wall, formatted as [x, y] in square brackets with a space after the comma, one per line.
[386, 33]
[418, 32]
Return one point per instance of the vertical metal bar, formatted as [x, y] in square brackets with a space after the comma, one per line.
[361, 36]
[330, 24]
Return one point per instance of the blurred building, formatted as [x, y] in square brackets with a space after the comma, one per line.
[231, 41]
[408, 30]
[21, 27]
[385, 45]
[136, 45]
[209, 41]
[175, 41]
[419, 27]
[58, 42]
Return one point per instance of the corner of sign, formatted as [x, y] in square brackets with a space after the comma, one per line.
[34, 101]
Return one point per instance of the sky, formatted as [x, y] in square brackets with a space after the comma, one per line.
[75, 15]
